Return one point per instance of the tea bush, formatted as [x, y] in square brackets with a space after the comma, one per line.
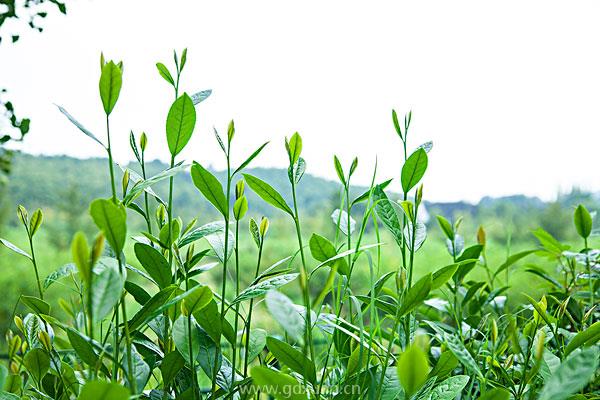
[162, 332]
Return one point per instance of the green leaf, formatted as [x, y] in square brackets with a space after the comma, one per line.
[450, 388]
[413, 369]
[284, 311]
[277, 384]
[62, 272]
[513, 259]
[587, 337]
[210, 187]
[583, 221]
[496, 394]
[198, 298]
[416, 295]
[100, 390]
[180, 123]
[249, 159]
[263, 287]
[203, 349]
[152, 307]
[107, 287]
[110, 85]
[267, 193]
[202, 232]
[14, 248]
[154, 263]
[139, 294]
[80, 127]
[145, 184]
[82, 347]
[322, 250]
[9, 396]
[37, 363]
[199, 97]
[446, 227]
[295, 148]
[443, 275]
[171, 364]
[112, 220]
[572, 375]
[256, 344]
[293, 358]
[458, 348]
[446, 363]
[38, 306]
[387, 214]
[414, 169]
[164, 72]
[35, 222]
[339, 170]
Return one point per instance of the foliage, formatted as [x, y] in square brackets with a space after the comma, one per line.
[140, 318]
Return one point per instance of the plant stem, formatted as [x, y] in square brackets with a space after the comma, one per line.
[249, 323]
[303, 281]
[110, 162]
[35, 268]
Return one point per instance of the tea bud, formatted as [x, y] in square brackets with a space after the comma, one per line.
[143, 141]
[264, 227]
[539, 348]
[45, 340]
[22, 213]
[125, 181]
[240, 207]
[494, 331]
[19, 323]
[481, 236]
[160, 215]
[239, 189]
[98, 248]
[230, 131]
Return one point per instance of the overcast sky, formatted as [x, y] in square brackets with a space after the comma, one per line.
[508, 91]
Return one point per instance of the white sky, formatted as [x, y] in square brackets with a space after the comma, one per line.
[508, 91]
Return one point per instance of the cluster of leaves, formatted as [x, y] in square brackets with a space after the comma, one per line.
[442, 335]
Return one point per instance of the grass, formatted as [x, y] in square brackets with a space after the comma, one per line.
[361, 305]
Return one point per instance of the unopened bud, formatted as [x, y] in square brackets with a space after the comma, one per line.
[125, 181]
[143, 141]
[264, 227]
[22, 213]
[19, 323]
[239, 189]
[45, 340]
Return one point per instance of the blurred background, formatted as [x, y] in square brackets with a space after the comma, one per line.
[508, 97]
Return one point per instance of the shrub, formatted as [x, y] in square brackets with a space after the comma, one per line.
[161, 332]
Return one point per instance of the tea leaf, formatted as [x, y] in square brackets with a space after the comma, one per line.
[414, 169]
[342, 217]
[107, 287]
[413, 369]
[323, 250]
[199, 97]
[111, 219]
[249, 159]
[82, 347]
[164, 72]
[267, 193]
[258, 341]
[35, 222]
[210, 188]
[99, 390]
[38, 306]
[587, 337]
[180, 123]
[154, 263]
[458, 348]
[142, 185]
[198, 298]
[293, 358]
[416, 295]
[496, 394]
[170, 366]
[14, 248]
[110, 86]
[277, 384]
[37, 363]
[387, 214]
[152, 307]
[263, 287]
[572, 375]
[284, 311]
[450, 388]
[81, 127]
[442, 275]
[202, 232]
[62, 272]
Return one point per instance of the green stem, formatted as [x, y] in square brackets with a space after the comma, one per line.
[249, 323]
[35, 267]
[110, 162]
[308, 344]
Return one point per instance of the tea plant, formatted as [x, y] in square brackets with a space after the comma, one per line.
[163, 332]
